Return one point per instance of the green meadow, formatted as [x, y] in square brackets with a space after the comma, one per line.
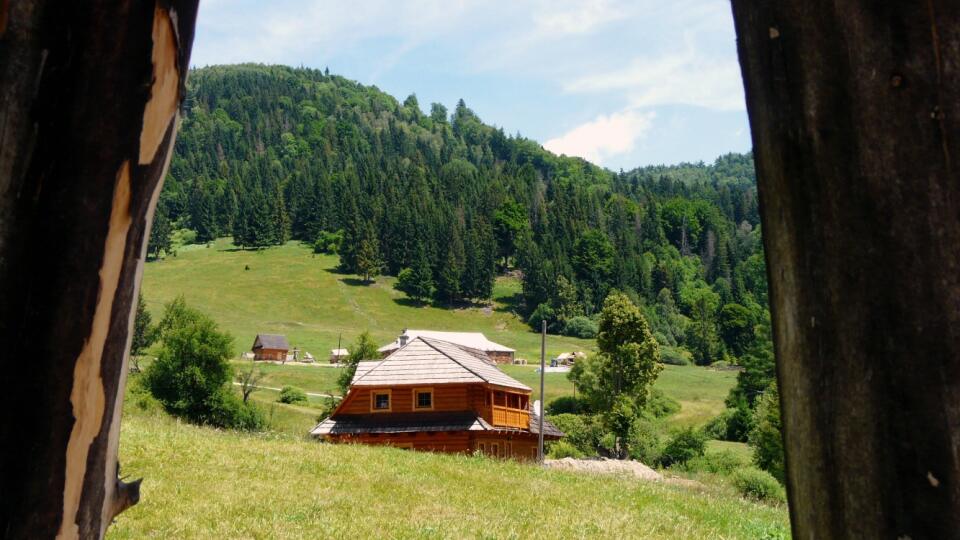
[206, 483]
[289, 290]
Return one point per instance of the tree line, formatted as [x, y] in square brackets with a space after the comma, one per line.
[446, 203]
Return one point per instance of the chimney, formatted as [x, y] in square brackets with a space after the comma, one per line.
[403, 338]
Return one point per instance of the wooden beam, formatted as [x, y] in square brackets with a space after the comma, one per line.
[855, 113]
[90, 93]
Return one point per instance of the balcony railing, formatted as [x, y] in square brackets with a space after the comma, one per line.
[510, 417]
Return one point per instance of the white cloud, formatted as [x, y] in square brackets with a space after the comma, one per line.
[687, 77]
[604, 137]
[576, 17]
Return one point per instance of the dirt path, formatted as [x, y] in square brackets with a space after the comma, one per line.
[313, 394]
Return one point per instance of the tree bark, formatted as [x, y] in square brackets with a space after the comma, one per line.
[89, 99]
[855, 108]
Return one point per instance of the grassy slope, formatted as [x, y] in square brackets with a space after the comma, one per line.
[204, 483]
[288, 290]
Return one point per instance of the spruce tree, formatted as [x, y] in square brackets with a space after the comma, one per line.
[369, 262]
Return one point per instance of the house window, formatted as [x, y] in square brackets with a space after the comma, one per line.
[380, 401]
[483, 448]
[495, 449]
[423, 399]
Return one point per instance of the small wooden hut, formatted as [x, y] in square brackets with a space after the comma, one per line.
[270, 347]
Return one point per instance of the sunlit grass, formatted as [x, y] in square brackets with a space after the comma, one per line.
[205, 483]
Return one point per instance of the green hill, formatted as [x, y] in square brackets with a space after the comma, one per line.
[289, 290]
[206, 483]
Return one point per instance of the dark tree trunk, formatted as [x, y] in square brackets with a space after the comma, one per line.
[855, 113]
[89, 94]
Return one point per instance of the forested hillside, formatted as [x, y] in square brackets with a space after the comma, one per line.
[269, 153]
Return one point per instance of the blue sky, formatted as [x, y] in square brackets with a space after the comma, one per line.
[621, 83]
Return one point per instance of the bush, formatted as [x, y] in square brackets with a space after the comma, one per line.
[684, 446]
[562, 449]
[723, 462]
[584, 432]
[289, 394]
[660, 405]
[720, 364]
[567, 405]
[674, 356]
[328, 242]
[183, 237]
[759, 485]
[765, 437]
[543, 313]
[581, 327]
[191, 376]
[731, 425]
[643, 442]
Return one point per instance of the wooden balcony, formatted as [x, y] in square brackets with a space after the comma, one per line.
[510, 417]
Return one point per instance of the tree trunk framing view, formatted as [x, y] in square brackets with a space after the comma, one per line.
[90, 96]
[854, 112]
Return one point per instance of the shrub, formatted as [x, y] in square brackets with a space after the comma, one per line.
[328, 242]
[191, 376]
[183, 237]
[674, 356]
[723, 462]
[759, 485]
[684, 446]
[733, 424]
[643, 442]
[543, 313]
[720, 364]
[562, 449]
[582, 431]
[581, 327]
[765, 437]
[567, 405]
[660, 405]
[289, 394]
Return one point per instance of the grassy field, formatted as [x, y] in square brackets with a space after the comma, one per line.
[699, 391]
[289, 290]
[205, 483]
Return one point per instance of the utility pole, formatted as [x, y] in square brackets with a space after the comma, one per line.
[543, 408]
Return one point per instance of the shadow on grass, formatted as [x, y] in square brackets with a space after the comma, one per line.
[510, 304]
[336, 270]
[357, 282]
[410, 302]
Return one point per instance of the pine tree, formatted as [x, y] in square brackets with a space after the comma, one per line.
[160, 232]
[369, 262]
[451, 272]
[280, 221]
[417, 281]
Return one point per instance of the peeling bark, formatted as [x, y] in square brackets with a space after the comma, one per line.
[89, 94]
[855, 115]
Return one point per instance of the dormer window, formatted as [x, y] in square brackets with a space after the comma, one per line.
[423, 399]
[380, 401]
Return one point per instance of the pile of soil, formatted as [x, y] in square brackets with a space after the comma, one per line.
[605, 466]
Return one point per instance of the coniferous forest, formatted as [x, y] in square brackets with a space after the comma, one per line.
[446, 203]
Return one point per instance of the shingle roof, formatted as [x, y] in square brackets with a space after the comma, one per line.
[399, 423]
[432, 361]
[354, 424]
[474, 340]
[271, 341]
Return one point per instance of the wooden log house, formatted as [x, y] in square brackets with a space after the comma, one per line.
[270, 347]
[438, 396]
